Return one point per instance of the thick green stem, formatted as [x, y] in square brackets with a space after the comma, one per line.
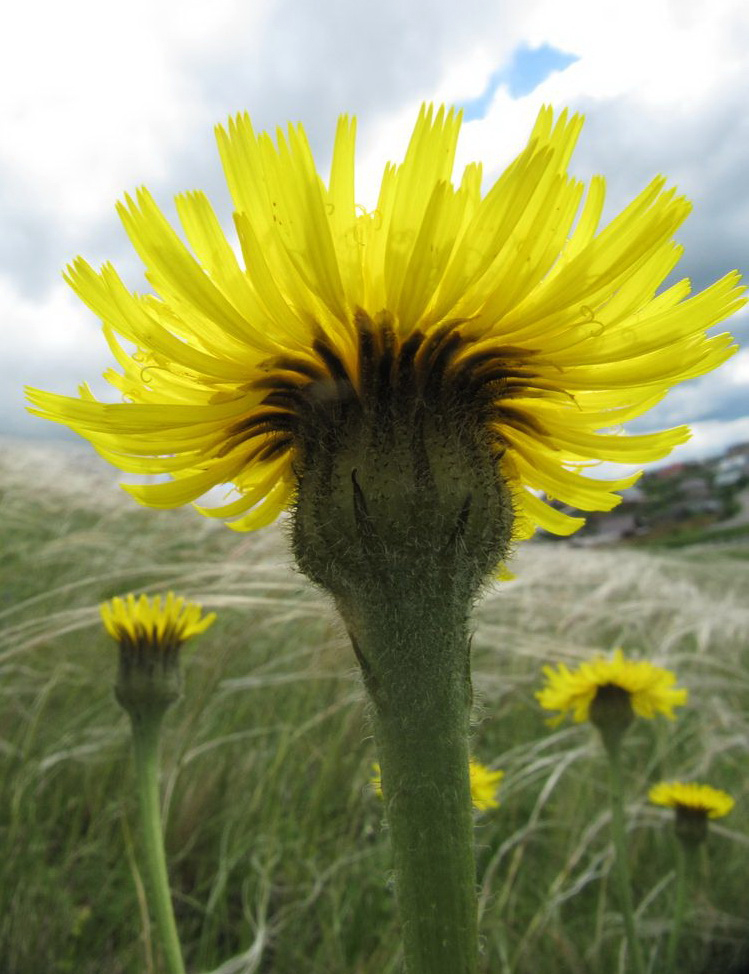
[401, 516]
[145, 749]
[416, 672]
[619, 835]
[409, 629]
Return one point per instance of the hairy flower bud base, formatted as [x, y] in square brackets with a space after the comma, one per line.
[399, 489]
[148, 682]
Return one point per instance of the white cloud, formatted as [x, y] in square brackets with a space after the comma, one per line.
[677, 54]
[712, 438]
[56, 328]
[736, 372]
[674, 59]
[95, 96]
[51, 342]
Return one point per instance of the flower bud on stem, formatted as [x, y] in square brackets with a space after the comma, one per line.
[146, 692]
[145, 752]
[149, 633]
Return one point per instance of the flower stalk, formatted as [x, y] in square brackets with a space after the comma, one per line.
[146, 730]
[612, 744]
[150, 633]
[611, 693]
[422, 716]
[685, 864]
[401, 518]
[694, 804]
[611, 713]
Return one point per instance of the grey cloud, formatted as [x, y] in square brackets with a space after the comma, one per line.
[361, 58]
[630, 144]
[317, 63]
[705, 154]
[700, 400]
[52, 373]
[31, 243]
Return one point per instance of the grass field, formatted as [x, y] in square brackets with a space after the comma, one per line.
[279, 856]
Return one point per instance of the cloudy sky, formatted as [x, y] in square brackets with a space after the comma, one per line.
[97, 98]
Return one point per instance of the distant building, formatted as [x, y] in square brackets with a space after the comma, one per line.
[672, 470]
[610, 527]
[695, 488]
[634, 496]
[666, 499]
[732, 468]
[738, 450]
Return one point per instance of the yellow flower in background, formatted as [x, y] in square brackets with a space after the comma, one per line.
[692, 798]
[544, 327]
[649, 688]
[484, 785]
[149, 633]
[154, 623]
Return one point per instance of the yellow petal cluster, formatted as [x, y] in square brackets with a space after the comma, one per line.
[692, 797]
[211, 361]
[484, 785]
[154, 622]
[651, 689]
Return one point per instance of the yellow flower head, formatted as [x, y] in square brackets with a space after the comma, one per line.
[649, 689]
[692, 798]
[154, 624]
[542, 328]
[150, 633]
[484, 785]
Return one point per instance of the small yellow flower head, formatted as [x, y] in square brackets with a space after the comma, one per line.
[694, 804]
[157, 624]
[693, 797]
[631, 687]
[484, 785]
[150, 632]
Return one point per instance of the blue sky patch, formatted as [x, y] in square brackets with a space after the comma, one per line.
[528, 67]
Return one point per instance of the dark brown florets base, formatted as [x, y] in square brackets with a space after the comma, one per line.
[391, 378]
[397, 464]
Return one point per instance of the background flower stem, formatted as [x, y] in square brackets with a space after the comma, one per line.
[619, 836]
[145, 750]
[684, 866]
